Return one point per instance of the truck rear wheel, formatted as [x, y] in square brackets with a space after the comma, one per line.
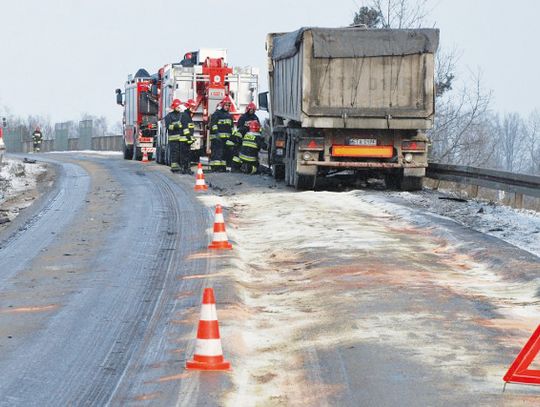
[411, 183]
[128, 152]
[278, 171]
[290, 162]
[292, 177]
[158, 154]
[304, 182]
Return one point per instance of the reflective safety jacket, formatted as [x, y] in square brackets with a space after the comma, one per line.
[174, 125]
[221, 125]
[246, 117]
[251, 145]
[37, 136]
[188, 127]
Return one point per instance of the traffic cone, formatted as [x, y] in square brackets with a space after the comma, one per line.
[145, 157]
[220, 236]
[208, 352]
[200, 184]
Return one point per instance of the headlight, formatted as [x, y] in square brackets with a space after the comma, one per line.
[307, 156]
[408, 157]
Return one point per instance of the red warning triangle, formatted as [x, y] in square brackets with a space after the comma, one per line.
[519, 370]
[312, 144]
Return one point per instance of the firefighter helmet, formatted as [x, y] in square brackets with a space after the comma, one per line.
[251, 106]
[254, 126]
[175, 104]
[190, 104]
[225, 100]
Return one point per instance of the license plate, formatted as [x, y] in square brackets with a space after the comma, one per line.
[362, 142]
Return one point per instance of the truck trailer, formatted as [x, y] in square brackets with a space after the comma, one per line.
[350, 99]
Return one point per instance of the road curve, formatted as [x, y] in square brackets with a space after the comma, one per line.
[91, 286]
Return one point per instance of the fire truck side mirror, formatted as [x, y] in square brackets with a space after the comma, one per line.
[119, 99]
[263, 101]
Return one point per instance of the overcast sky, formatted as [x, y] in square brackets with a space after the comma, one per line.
[65, 57]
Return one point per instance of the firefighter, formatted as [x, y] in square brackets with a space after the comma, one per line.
[221, 127]
[37, 137]
[188, 128]
[174, 133]
[249, 115]
[252, 142]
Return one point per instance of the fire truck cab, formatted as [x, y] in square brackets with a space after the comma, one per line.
[205, 77]
[140, 102]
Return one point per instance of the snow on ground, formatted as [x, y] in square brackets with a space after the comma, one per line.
[17, 179]
[519, 227]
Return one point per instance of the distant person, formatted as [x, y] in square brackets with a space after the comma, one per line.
[174, 133]
[221, 127]
[37, 137]
[248, 116]
[252, 142]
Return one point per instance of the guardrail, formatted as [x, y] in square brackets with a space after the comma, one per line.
[519, 184]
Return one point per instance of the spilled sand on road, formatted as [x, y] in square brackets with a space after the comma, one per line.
[321, 271]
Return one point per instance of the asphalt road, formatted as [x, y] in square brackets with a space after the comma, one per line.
[328, 298]
[91, 282]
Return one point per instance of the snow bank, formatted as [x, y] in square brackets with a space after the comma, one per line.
[518, 227]
[17, 178]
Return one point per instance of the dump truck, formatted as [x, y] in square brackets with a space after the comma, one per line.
[350, 99]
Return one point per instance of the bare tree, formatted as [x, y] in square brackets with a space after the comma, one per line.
[461, 133]
[401, 13]
[510, 142]
[532, 142]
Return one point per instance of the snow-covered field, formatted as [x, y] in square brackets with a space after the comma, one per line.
[17, 179]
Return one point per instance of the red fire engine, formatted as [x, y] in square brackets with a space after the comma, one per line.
[140, 102]
[203, 76]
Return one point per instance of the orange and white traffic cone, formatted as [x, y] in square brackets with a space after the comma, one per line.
[145, 157]
[220, 240]
[200, 184]
[208, 352]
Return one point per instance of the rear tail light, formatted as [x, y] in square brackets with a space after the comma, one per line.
[413, 145]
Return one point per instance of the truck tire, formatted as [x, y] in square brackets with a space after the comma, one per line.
[158, 154]
[167, 159]
[292, 177]
[411, 183]
[392, 181]
[278, 171]
[304, 182]
[128, 152]
[290, 169]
